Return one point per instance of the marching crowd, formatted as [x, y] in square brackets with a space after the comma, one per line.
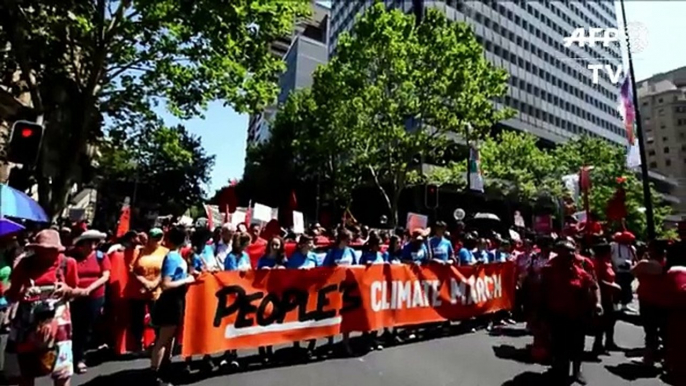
[57, 287]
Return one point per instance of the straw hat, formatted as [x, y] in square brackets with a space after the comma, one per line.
[47, 239]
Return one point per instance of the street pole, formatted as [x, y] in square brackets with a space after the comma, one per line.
[469, 159]
[650, 218]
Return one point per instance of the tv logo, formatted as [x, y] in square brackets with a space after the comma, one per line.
[608, 36]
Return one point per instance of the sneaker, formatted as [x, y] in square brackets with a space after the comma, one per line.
[81, 368]
[161, 382]
[579, 378]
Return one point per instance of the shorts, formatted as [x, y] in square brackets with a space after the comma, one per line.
[169, 309]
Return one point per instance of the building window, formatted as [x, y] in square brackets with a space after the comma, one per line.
[659, 100]
[666, 150]
[668, 162]
[652, 152]
[653, 165]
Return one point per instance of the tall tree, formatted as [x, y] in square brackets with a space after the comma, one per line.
[160, 168]
[394, 92]
[513, 164]
[86, 61]
[609, 163]
[307, 143]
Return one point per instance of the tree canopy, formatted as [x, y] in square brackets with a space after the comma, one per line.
[85, 63]
[159, 168]
[393, 93]
[514, 166]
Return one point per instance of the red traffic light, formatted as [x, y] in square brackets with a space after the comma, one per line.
[26, 132]
[24, 143]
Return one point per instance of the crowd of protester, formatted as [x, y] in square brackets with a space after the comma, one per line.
[57, 288]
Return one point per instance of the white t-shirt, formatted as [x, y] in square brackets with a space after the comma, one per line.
[622, 257]
[221, 249]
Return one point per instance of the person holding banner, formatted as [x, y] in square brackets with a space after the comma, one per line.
[169, 308]
[394, 253]
[466, 254]
[304, 258]
[238, 259]
[202, 253]
[275, 257]
[340, 254]
[373, 256]
[441, 248]
[416, 251]
[222, 245]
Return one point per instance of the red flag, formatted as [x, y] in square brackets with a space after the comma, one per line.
[124, 220]
[248, 214]
[616, 207]
[227, 197]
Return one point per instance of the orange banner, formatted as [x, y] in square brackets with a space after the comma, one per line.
[236, 310]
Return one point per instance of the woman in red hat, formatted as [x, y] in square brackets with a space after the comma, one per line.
[42, 283]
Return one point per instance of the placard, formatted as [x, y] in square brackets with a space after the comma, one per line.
[298, 222]
[262, 213]
[416, 220]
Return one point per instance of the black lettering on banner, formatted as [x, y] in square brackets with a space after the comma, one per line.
[224, 310]
[351, 296]
[264, 320]
[245, 308]
[290, 300]
[323, 301]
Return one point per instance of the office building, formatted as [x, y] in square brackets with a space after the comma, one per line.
[551, 87]
[306, 49]
[662, 101]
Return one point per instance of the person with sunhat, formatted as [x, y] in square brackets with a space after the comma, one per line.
[570, 295]
[42, 283]
[93, 267]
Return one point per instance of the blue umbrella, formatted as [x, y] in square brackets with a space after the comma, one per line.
[8, 227]
[14, 203]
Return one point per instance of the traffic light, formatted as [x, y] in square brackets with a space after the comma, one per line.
[431, 196]
[24, 143]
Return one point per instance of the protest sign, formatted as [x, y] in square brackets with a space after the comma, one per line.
[237, 310]
[416, 220]
[298, 223]
[262, 213]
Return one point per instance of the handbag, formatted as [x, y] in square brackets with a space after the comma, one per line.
[40, 332]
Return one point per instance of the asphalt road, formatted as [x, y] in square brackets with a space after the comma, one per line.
[464, 359]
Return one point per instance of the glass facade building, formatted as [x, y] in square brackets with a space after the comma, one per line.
[550, 86]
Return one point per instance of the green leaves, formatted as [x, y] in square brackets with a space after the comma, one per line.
[168, 164]
[115, 61]
[394, 93]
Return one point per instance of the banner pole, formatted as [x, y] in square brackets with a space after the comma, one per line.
[647, 196]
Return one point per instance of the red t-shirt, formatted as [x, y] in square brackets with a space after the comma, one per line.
[90, 269]
[676, 287]
[43, 274]
[567, 287]
[604, 270]
[651, 283]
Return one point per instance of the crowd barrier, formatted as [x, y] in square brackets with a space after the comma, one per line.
[238, 310]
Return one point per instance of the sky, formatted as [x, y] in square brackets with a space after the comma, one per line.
[223, 131]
